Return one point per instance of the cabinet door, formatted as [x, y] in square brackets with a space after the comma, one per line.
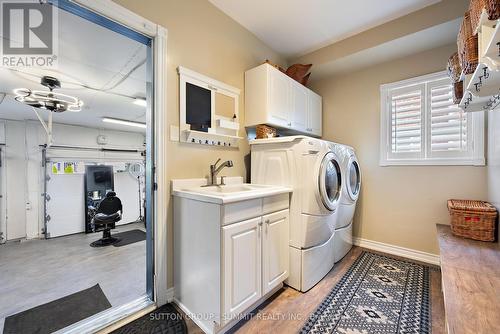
[299, 106]
[275, 249]
[279, 99]
[242, 265]
[315, 114]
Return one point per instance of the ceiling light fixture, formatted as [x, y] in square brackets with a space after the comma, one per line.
[48, 100]
[140, 102]
[123, 122]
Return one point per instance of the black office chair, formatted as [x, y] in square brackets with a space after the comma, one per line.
[108, 212]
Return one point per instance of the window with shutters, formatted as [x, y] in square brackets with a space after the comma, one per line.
[420, 125]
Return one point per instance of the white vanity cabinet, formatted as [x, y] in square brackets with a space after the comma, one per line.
[242, 263]
[255, 259]
[273, 98]
[275, 257]
[229, 257]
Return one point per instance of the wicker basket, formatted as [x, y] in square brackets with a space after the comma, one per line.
[467, 46]
[473, 219]
[476, 8]
[454, 68]
[493, 9]
[264, 131]
[458, 92]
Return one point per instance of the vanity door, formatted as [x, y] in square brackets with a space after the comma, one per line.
[241, 265]
[275, 255]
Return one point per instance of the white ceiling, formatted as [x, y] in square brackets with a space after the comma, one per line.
[296, 27]
[89, 56]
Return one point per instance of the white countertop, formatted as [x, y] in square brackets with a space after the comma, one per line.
[234, 190]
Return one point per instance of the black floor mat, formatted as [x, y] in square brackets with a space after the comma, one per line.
[57, 314]
[129, 237]
[164, 320]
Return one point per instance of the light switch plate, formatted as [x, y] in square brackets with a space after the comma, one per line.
[174, 133]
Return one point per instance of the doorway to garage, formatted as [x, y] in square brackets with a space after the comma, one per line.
[76, 204]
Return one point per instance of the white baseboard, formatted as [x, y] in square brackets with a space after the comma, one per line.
[397, 250]
[170, 294]
[193, 317]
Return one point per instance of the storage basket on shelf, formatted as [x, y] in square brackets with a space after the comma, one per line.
[265, 131]
[454, 68]
[476, 8]
[467, 44]
[458, 92]
[493, 9]
[472, 219]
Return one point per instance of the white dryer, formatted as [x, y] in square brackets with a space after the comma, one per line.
[313, 170]
[349, 196]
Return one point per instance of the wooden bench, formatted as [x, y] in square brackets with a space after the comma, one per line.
[471, 283]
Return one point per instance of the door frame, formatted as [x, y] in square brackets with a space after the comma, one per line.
[161, 294]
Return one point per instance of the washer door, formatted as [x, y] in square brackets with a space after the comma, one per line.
[330, 181]
[353, 178]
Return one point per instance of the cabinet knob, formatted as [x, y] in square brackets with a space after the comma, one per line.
[260, 223]
[289, 124]
[268, 221]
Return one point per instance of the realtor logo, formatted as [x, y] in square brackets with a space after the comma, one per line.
[29, 33]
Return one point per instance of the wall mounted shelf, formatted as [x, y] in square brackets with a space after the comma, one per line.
[491, 54]
[484, 82]
[211, 139]
[471, 103]
[206, 103]
[482, 88]
[229, 125]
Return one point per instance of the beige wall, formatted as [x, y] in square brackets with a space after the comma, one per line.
[201, 38]
[397, 205]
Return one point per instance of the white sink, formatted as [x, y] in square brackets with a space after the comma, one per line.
[234, 191]
[225, 190]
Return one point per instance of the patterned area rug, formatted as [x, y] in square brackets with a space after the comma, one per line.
[378, 294]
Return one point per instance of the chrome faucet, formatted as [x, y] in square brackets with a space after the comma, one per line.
[214, 170]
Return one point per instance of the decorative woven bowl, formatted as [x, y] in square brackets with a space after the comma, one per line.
[298, 72]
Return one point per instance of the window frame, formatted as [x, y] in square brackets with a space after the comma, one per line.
[474, 156]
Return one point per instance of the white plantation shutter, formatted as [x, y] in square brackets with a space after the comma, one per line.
[406, 120]
[421, 125]
[448, 123]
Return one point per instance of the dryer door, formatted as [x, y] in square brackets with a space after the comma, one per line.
[353, 178]
[330, 181]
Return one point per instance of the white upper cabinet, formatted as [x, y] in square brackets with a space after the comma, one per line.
[314, 121]
[300, 105]
[273, 98]
[279, 99]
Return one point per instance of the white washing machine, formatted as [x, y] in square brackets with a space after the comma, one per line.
[349, 196]
[313, 170]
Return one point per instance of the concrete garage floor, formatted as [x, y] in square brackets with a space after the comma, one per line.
[35, 272]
